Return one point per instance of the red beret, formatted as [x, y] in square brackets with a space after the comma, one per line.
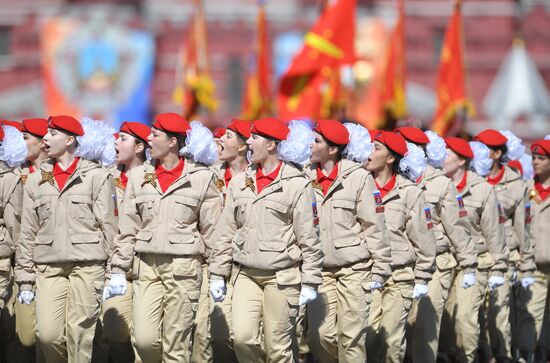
[16, 124]
[171, 122]
[460, 146]
[66, 123]
[241, 127]
[333, 131]
[136, 129]
[541, 147]
[491, 137]
[393, 141]
[373, 134]
[270, 127]
[413, 134]
[36, 126]
[218, 132]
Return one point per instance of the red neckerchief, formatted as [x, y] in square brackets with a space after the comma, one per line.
[124, 179]
[388, 187]
[167, 177]
[61, 175]
[227, 176]
[31, 169]
[542, 191]
[460, 186]
[326, 181]
[496, 179]
[263, 181]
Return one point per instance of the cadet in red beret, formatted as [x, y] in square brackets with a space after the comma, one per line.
[512, 194]
[413, 134]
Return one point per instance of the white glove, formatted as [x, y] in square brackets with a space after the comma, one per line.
[495, 282]
[420, 290]
[25, 296]
[375, 285]
[307, 295]
[469, 280]
[217, 289]
[527, 281]
[117, 286]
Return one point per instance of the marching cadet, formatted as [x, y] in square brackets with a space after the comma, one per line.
[269, 229]
[478, 203]
[25, 314]
[395, 166]
[451, 229]
[233, 149]
[353, 238]
[169, 211]
[513, 199]
[116, 314]
[533, 301]
[68, 214]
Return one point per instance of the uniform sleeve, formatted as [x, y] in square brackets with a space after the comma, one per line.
[209, 212]
[24, 253]
[308, 238]
[13, 210]
[129, 222]
[523, 233]
[493, 232]
[222, 248]
[104, 210]
[422, 239]
[374, 232]
[458, 229]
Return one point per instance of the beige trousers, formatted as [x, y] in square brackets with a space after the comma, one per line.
[67, 307]
[388, 317]
[337, 319]
[425, 318]
[259, 300]
[166, 297]
[202, 349]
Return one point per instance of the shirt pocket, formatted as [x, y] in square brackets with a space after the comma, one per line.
[185, 208]
[396, 218]
[241, 206]
[343, 212]
[473, 207]
[81, 207]
[275, 224]
[144, 236]
[78, 239]
[145, 204]
[43, 209]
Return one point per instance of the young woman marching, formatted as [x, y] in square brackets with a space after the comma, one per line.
[354, 241]
[116, 314]
[395, 167]
[233, 149]
[452, 233]
[268, 228]
[513, 198]
[170, 208]
[467, 164]
[68, 213]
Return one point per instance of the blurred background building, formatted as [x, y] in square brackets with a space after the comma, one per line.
[119, 59]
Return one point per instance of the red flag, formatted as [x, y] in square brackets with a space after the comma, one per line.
[327, 46]
[452, 97]
[194, 86]
[257, 98]
[393, 87]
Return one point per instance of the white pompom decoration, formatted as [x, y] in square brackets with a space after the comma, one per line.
[414, 163]
[200, 144]
[13, 149]
[481, 163]
[515, 147]
[98, 142]
[360, 145]
[526, 162]
[297, 146]
[547, 137]
[436, 150]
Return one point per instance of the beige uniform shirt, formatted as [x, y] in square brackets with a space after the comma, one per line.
[481, 204]
[74, 224]
[11, 202]
[351, 229]
[273, 230]
[410, 224]
[178, 222]
[513, 198]
[451, 230]
[540, 227]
